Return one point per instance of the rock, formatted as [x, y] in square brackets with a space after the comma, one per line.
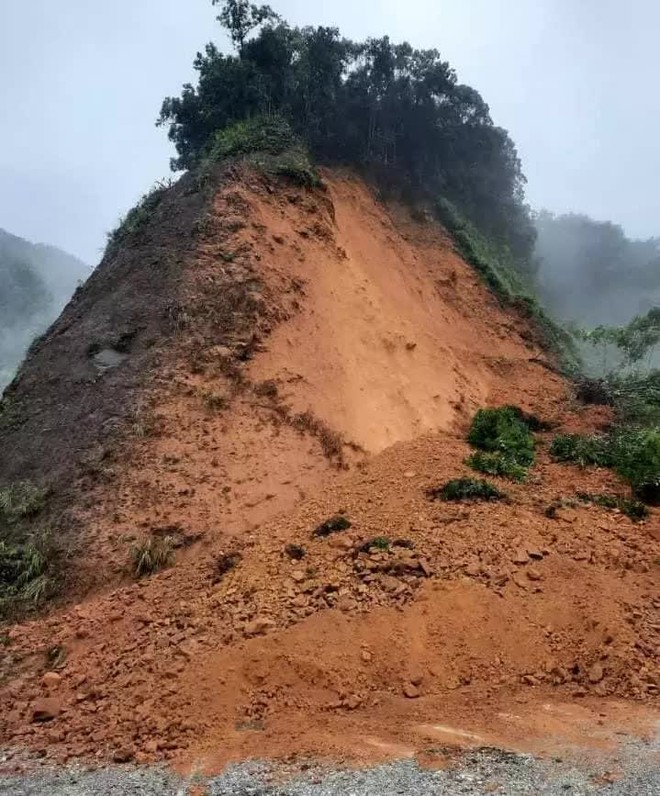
[123, 755]
[298, 576]
[409, 474]
[425, 567]
[534, 574]
[301, 601]
[259, 626]
[51, 680]
[535, 553]
[46, 710]
[416, 676]
[472, 570]
[520, 556]
[410, 691]
[151, 747]
[596, 673]
[366, 656]
[529, 679]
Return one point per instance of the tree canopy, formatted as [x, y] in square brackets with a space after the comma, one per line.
[397, 112]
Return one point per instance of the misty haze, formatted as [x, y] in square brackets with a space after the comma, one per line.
[329, 397]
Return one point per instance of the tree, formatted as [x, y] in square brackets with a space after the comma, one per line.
[241, 17]
[395, 112]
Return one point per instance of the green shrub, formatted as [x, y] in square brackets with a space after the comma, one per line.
[335, 524]
[634, 509]
[270, 145]
[503, 431]
[636, 457]
[466, 489]
[151, 555]
[633, 453]
[582, 449]
[497, 464]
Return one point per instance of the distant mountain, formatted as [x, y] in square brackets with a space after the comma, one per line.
[36, 281]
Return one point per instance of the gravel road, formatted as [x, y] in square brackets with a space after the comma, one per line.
[637, 768]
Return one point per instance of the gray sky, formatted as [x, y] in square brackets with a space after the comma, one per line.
[81, 82]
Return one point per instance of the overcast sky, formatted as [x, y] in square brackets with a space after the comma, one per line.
[81, 82]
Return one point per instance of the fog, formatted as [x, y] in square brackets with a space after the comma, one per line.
[36, 281]
[81, 85]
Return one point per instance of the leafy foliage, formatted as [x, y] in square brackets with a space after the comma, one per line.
[505, 442]
[497, 464]
[636, 341]
[633, 453]
[395, 111]
[466, 489]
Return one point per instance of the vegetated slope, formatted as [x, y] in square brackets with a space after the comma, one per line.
[246, 348]
[35, 282]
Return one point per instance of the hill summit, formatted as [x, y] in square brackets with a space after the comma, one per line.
[284, 479]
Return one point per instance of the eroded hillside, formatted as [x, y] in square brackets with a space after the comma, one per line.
[257, 359]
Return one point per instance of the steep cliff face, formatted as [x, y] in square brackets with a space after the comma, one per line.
[254, 360]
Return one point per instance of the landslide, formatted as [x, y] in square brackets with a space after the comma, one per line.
[289, 354]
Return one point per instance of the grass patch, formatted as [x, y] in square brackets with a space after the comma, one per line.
[335, 524]
[24, 576]
[152, 555]
[137, 217]
[471, 489]
[634, 509]
[20, 501]
[497, 464]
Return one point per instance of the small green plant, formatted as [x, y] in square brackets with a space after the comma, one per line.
[466, 489]
[295, 552]
[377, 543]
[634, 509]
[335, 524]
[497, 464]
[151, 555]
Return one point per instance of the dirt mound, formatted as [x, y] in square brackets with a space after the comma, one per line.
[325, 356]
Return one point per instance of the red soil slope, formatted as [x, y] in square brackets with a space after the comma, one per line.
[379, 344]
